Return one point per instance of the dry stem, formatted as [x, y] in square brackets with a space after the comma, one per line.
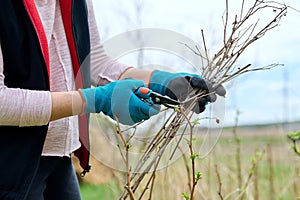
[237, 37]
[219, 182]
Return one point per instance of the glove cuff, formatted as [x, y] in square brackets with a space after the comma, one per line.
[83, 102]
[89, 96]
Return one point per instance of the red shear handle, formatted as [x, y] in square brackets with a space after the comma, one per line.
[143, 92]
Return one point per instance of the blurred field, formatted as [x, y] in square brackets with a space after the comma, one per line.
[276, 176]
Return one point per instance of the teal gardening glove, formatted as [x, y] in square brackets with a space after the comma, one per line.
[117, 99]
[179, 86]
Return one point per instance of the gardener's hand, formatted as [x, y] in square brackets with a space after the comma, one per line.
[117, 99]
[179, 86]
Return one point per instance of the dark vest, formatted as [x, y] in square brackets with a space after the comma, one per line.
[26, 66]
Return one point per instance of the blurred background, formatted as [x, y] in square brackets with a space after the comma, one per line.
[269, 96]
[261, 107]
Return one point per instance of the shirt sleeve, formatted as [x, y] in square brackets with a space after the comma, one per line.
[20, 107]
[104, 69]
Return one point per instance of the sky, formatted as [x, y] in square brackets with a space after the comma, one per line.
[271, 96]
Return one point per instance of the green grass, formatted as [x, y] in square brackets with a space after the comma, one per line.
[98, 192]
[276, 176]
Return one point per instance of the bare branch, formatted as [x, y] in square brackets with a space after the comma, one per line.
[220, 68]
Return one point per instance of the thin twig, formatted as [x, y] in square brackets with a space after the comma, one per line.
[219, 182]
[126, 159]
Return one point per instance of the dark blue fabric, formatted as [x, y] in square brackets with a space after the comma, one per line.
[82, 39]
[24, 67]
[55, 180]
[24, 64]
[20, 152]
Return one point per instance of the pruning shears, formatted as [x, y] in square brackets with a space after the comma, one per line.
[151, 97]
